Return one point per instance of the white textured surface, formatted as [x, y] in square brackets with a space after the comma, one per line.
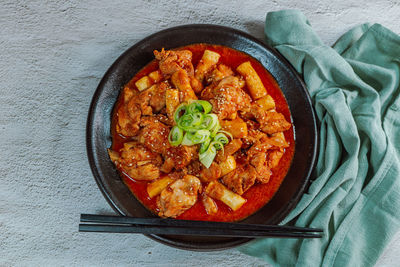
[52, 56]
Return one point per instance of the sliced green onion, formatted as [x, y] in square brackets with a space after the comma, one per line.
[190, 122]
[196, 125]
[218, 146]
[215, 130]
[208, 156]
[204, 146]
[200, 106]
[175, 136]
[188, 139]
[210, 121]
[198, 137]
[201, 136]
[177, 113]
[220, 137]
[226, 133]
[197, 119]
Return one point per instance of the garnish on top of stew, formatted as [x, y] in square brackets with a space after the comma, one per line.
[199, 128]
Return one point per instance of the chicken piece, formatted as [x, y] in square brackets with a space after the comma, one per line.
[275, 122]
[219, 73]
[139, 162]
[240, 179]
[129, 114]
[274, 157]
[133, 153]
[154, 135]
[259, 162]
[214, 77]
[256, 154]
[229, 149]
[157, 100]
[226, 97]
[181, 155]
[210, 174]
[261, 142]
[141, 101]
[128, 117]
[128, 125]
[179, 196]
[180, 79]
[171, 61]
[209, 204]
[270, 121]
[259, 146]
[145, 172]
[279, 138]
[128, 93]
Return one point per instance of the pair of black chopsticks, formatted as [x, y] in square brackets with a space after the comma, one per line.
[158, 226]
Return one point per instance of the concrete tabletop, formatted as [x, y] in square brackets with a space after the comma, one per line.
[53, 55]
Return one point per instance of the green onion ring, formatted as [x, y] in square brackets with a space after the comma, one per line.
[188, 139]
[218, 146]
[200, 106]
[190, 122]
[201, 136]
[208, 156]
[178, 110]
[197, 137]
[204, 146]
[215, 130]
[220, 137]
[175, 136]
[226, 133]
[210, 121]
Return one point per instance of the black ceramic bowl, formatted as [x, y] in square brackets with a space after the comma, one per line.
[135, 58]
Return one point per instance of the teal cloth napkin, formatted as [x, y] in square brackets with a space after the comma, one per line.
[355, 196]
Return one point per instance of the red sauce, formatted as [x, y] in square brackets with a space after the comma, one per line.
[259, 194]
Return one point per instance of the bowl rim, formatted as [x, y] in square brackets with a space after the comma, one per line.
[165, 240]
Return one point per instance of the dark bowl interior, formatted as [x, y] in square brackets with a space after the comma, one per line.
[136, 57]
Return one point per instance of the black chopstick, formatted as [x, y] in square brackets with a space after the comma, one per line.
[123, 224]
[185, 223]
[146, 229]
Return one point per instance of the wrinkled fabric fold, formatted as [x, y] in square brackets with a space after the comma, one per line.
[355, 193]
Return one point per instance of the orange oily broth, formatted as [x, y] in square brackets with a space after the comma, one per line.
[259, 194]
